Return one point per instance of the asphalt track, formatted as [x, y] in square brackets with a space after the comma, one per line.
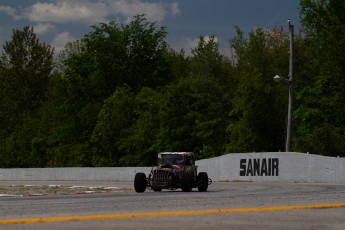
[226, 205]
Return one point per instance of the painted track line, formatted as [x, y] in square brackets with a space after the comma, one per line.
[171, 213]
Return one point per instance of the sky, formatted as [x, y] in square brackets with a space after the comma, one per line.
[57, 22]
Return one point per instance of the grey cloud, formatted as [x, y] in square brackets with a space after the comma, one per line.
[10, 11]
[92, 11]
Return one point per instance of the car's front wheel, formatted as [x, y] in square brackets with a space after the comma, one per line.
[187, 182]
[140, 182]
[203, 180]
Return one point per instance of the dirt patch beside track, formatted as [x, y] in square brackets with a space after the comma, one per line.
[55, 189]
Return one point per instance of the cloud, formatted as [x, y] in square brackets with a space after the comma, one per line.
[153, 11]
[43, 28]
[192, 43]
[64, 11]
[175, 10]
[224, 49]
[92, 11]
[61, 40]
[10, 11]
[47, 15]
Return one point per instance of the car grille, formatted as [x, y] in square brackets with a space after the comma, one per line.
[161, 179]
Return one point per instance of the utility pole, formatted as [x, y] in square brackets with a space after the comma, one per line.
[289, 121]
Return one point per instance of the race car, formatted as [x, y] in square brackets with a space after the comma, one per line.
[175, 170]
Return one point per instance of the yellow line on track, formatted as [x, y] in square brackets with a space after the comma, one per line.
[171, 213]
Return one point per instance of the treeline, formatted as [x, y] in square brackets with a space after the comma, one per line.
[120, 95]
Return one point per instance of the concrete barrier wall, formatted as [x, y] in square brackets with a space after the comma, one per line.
[274, 166]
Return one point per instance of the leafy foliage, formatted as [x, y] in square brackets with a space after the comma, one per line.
[25, 65]
[321, 116]
[120, 95]
[257, 114]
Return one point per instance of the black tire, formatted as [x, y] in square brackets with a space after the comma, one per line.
[140, 182]
[187, 182]
[203, 179]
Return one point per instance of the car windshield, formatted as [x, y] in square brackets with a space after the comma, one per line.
[172, 159]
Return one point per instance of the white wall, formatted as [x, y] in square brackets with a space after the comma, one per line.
[293, 167]
[274, 166]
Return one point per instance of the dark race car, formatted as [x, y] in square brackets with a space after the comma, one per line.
[175, 170]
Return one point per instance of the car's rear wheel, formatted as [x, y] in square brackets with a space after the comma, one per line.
[187, 182]
[140, 182]
[203, 180]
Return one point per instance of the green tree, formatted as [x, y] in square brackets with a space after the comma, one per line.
[25, 65]
[177, 62]
[320, 116]
[72, 48]
[193, 117]
[257, 116]
[177, 120]
[115, 54]
[214, 88]
[111, 56]
[140, 145]
[54, 144]
[206, 59]
[114, 120]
